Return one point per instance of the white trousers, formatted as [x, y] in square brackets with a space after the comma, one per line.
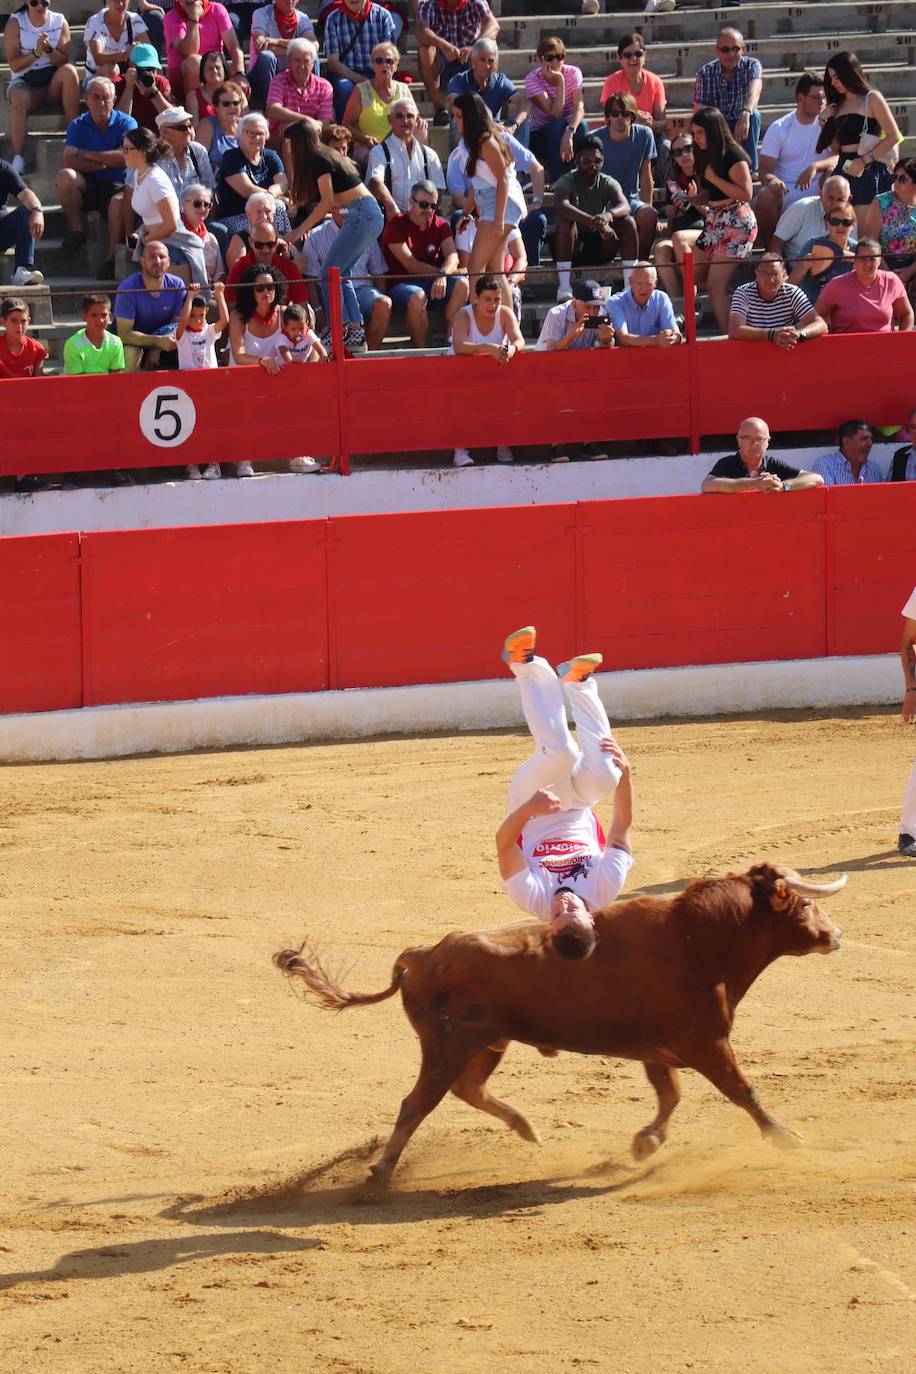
[580, 775]
[908, 815]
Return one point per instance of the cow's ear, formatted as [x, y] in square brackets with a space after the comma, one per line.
[782, 895]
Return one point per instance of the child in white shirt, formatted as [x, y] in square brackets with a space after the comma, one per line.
[197, 346]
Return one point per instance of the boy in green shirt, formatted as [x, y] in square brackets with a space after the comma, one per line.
[93, 350]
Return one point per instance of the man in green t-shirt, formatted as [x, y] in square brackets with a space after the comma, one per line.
[594, 222]
[93, 350]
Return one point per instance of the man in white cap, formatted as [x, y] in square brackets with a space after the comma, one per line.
[554, 860]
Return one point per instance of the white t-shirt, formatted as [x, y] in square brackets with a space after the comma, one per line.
[909, 609]
[134, 31]
[197, 350]
[794, 146]
[575, 859]
[301, 348]
[155, 186]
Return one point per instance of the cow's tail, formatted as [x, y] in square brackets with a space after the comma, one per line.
[320, 987]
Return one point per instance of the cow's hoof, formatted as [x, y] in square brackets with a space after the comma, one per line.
[378, 1177]
[523, 1127]
[645, 1143]
[784, 1138]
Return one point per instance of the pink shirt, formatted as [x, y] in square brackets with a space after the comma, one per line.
[652, 93]
[212, 26]
[857, 309]
[537, 84]
[315, 100]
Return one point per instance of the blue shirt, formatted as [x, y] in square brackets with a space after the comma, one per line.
[623, 160]
[150, 314]
[837, 470]
[712, 88]
[85, 135]
[499, 90]
[342, 29]
[641, 320]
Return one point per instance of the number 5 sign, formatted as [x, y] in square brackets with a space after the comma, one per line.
[167, 417]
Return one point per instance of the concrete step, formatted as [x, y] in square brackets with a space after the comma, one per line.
[897, 84]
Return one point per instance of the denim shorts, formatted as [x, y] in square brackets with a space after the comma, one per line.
[486, 204]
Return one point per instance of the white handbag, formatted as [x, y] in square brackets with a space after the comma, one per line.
[869, 142]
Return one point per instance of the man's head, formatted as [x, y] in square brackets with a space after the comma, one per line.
[753, 438]
[572, 930]
[729, 48]
[96, 311]
[300, 60]
[867, 260]
[484, 59]
[587, 299]
[16, 318]
[488, 297]
[263, 241]
[809, 97]
[145, 61]
[402, 116]
[100, 99]
[769, 274]
[643, 281]
[176, 127]
[619, 113]
[589, 159]
[354, 6]
[854, 438]
[154, 260]
[423, 201]
[835, 191]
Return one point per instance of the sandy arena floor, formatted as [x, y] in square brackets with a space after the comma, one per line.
[183, 1140]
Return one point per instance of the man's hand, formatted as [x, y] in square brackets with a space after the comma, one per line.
[805, 178]
[260, 42]
[605, 335]
[167, 343]
[194, 10]
[667, 337]
[544, 803]
[780, 187]
[437, 290]
[742, 126]
[786, 337]
[767, 481]
[464, 56]
[36, 222]
[450, 52]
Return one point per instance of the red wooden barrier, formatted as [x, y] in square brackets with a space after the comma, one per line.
[40, 648]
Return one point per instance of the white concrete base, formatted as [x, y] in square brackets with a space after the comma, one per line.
[217, 723]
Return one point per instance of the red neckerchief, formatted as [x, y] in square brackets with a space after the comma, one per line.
[339, 5]
[452, 9]
[199, 229]
[286, 23]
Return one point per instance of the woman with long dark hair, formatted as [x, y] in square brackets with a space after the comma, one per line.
[685, 220]
[859, 126]
[491, 171]
[323, 178]
[723, 171]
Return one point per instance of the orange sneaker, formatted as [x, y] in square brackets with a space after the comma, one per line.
[519, 647]
[580, 667]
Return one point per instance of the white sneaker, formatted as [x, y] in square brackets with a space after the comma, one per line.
[212, 471]
[660, 6]
[558, 454]
[27, 276]
[304, 465]
[592, 6]
[18, 164]
[504, 454]
[462, 458]
[244, 470]
[564, 294]
[193, 472]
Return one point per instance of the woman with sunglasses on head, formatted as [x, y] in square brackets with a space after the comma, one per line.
[685, 219]
[366, 113]
[556, 109]
[724, 189]
[858, 125]
[891, 219]
[827, 256]
[490, 168]
[37, 44]
[220, 131]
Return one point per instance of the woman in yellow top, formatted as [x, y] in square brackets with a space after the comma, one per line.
[366, 115]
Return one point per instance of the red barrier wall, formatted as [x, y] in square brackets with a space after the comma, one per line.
[391, 405]
[377, 601]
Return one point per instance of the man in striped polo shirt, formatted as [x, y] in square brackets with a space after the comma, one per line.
[770, 309]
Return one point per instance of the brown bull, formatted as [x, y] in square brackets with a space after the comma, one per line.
[662, 987]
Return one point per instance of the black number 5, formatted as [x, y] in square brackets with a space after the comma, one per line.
[162, 411]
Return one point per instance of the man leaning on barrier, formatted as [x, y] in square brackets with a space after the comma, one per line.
[753, 469]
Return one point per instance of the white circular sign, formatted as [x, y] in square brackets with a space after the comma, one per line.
[167, 417]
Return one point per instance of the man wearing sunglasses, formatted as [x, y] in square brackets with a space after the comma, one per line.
[421, 254]
[732, 83]
[265, 251]
[789, 160]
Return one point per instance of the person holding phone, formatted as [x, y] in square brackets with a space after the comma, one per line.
[575, 324]
[643, 316]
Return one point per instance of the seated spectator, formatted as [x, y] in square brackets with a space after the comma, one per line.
[724, 178]
[254, 328]
[732, 84]
[642, 315]
[147, 308]
[37, 44]
[352, 32]
[867, 300]
[21, 228]
[197, 350]
[21, 356]
[789, 160]
[807, 218]
[401, 160]
[829, 255]
[770, 309]
[297, 92]
[368, 278]
[187, 160]
[338, 137]
[488, 329]
[250, 167]
[533, 227]
[153, 15]
[93, 350]
[109, 36]
[647, 89]
[212, 74]
[577, 324]
[446, 32]
[903, 463]
[265, 248]
[196, 204]
[150, 194]
[273, 28]
[753, 469]
[502, 98]
[850, 464]
[94, 175]
[366, 115]
[261, 208]
[220, 131]
[891, 219]
[242, 13]
[629, 149]
[556, 110]
[142, 91]
[423, 264]
[193, 28]
[594, 222]
[298, 341]
[685, 220]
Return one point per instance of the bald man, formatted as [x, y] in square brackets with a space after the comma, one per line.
[752, 468]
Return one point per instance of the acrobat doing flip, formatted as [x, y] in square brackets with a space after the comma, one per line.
[553, 858]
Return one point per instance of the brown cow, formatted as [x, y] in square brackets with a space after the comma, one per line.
[662, 986]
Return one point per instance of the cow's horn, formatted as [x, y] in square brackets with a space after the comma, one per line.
[817, 889]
